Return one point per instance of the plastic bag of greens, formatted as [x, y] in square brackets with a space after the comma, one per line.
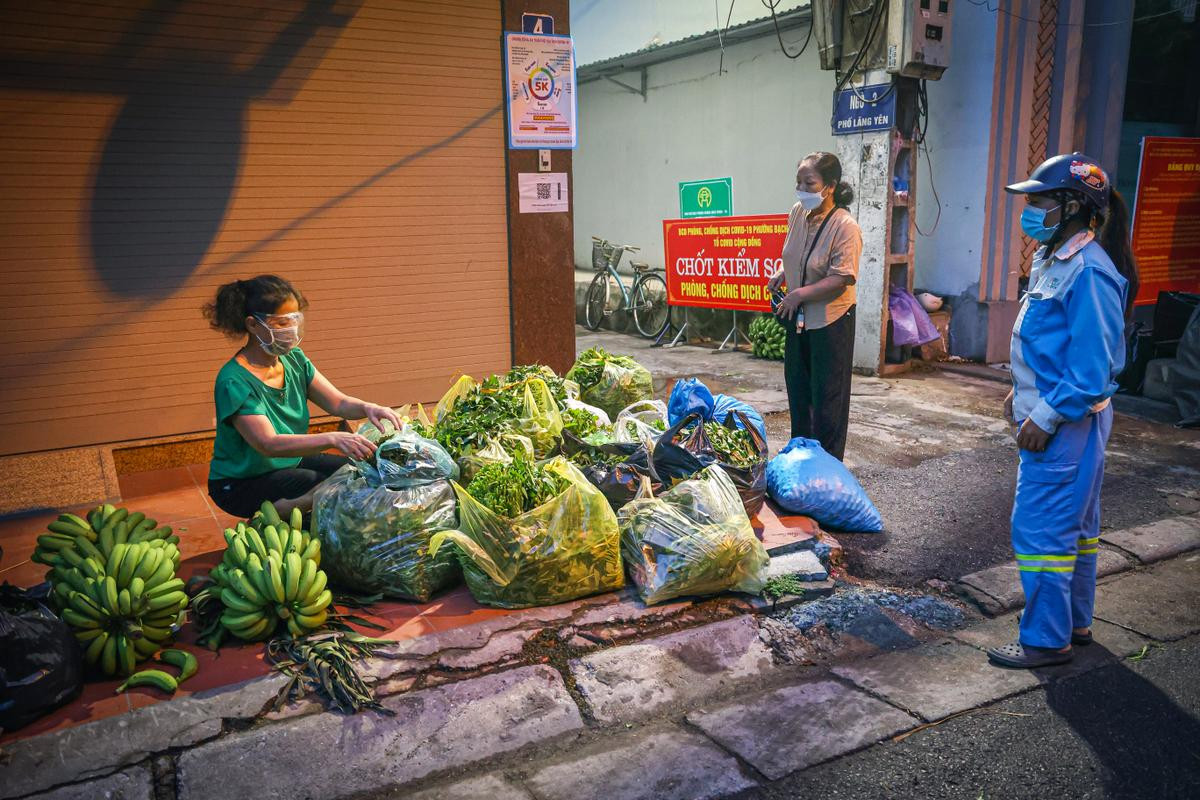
[615, 468]
[692, 444]
[641, 422]
[805, 479]
[499, 450]
[566, 548]
[691, 396]
[469, 414]
[602, 420]
[540, 419]
[610, 381]
[694, 539]
[375, 520]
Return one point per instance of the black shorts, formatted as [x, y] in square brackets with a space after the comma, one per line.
[241, 497]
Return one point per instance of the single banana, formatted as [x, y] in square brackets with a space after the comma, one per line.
[136, 587]
[271, 539]
[259, 630]
[145, 647]
[234, 620]
[83, 604]
[318, 586]
[269, 513]
[307, 575]
[95, 519]
[313, 551]
[150, 677]
[239, 550]
[297, 519]
[164, 573]
[157, 633]
[187, 663]
[230, 535]
[71, 556]
[124, 604]
[255, 543]
[105, 541]
[77, 521]
[235, 602]
[117, 515]
[121, 533]
[294, 628]
[89, 550]
[149, 563]
[293, 568]
[133, 555]
[169, 600]
[273, 568]
[88, 634]
[77, 620]
[55, 541]
[134, 520]
[93, 568]
[320, 604]
[111, 602]
[242, 584]
[173, 585]
[108, 658]
[313, 621]
[126, 657]
[96, 648]
[114, 559]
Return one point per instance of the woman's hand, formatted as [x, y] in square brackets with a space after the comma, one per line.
[775, 282]
[1008, 408]
[352, 445]
[791, 304]
[1032, 438]
[377, 415]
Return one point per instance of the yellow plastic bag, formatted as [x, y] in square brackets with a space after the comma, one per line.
[566, 548]
[540, 420]
[460, 389]
[496, 451]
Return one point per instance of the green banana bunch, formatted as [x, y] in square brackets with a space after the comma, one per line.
[113, 581]
[767, 337]
[270, 573]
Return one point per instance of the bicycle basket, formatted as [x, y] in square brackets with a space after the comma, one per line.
[601, 253]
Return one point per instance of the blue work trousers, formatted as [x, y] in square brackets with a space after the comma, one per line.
[1056, 529]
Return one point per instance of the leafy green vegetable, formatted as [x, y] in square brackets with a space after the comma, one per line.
[611, 382]
[514, 488]
[733, 445]
[783, 585]
[580, 422]
[557, 385]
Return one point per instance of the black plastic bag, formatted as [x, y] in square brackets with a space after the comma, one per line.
[619, 483]
[41, 666]
[677, 459]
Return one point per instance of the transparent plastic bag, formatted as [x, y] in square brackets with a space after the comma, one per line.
[540, 420]
[566, 548]
[602, 418]
[610, 381]
[639, 423]
[375, 520]
[498, 450]
[678, 457]
[694, 539]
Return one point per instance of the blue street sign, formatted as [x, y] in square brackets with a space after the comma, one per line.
[860, 109]
[537, 23]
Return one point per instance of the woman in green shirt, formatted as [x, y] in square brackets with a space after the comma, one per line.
[263, 450]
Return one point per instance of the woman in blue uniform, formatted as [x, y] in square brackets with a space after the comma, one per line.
[1068, 346]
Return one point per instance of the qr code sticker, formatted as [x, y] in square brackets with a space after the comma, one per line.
[543, 191]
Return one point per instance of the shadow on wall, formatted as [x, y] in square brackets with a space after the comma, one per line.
[167, 173]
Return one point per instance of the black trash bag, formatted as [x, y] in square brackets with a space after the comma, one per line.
[676, 459]
[619, 482]
[41, 665]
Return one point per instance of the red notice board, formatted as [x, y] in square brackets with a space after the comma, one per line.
[723, 262]
[1166, 218]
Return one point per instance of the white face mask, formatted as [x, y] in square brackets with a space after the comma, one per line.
[281, 340]
[809, 200]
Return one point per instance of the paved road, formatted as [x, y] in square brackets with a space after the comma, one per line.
[936, 456]
[1130, 730]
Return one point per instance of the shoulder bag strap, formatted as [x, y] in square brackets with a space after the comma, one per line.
[813, 245]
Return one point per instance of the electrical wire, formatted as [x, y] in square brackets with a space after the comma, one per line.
[987, 5]
[868, 41]
[923, 145]
[720, 37]
[771, 6]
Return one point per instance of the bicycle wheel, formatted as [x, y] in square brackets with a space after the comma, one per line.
[650, 310]
[597, 301]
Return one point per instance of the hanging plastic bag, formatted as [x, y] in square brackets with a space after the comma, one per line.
[804, 479]
[911, 324]
[41, 666]
[678, 457]
[566, 548]
[375, 520]
[540, 419]
[641, 422]
[610, 381]
[691, 396]
[694, 539]
[460, 389]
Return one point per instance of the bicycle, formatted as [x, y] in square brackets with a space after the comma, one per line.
[647, 299]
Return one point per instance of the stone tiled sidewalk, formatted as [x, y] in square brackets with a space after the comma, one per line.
[703, 707]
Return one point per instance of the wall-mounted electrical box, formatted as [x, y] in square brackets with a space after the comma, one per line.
[918, 37]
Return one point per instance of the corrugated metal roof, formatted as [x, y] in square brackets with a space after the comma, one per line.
[701, 42]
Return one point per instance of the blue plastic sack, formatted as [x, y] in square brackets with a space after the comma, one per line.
[691, 396]
[804, 479]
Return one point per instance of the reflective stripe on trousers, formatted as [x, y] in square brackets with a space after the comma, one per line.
[1056, 529]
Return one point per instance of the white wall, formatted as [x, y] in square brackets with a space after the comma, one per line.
[960, 108]
[607, 28]
[753, 123]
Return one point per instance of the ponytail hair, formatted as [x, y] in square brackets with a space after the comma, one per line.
[240, 299]
[1114, 238]
[829, 168]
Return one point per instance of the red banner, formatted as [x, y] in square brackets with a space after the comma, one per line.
[1166, 219]
[723, 262]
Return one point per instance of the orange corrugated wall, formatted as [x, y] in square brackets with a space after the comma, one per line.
[150, 151]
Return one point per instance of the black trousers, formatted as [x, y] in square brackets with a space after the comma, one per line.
[241, 497]
[816, 369]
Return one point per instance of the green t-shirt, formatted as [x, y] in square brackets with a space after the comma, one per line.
[238, 391]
